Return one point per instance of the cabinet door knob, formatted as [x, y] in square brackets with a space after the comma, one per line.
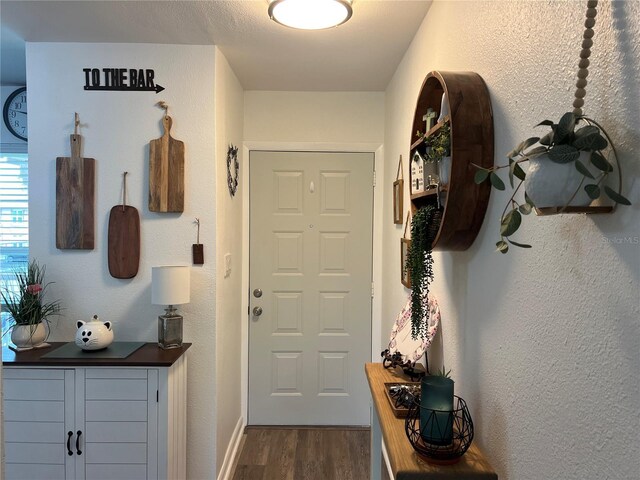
[78, 451]
[69, 452]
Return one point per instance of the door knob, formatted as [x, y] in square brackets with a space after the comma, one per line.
[257, 311]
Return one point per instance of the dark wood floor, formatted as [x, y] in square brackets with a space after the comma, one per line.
[303, 454]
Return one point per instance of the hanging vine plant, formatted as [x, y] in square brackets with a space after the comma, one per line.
[567, 167]
[424, 228]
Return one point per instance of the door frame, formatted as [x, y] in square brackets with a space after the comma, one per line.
[378, 208]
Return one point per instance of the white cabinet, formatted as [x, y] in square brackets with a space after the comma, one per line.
[39, 409]
[95, 423]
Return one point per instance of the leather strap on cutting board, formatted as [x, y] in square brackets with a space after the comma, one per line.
[75, 196]
[166, 172]
[124, 238]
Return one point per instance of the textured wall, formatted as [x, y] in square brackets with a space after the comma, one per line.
[229, 101]
[543, 343]
[116, 128]
[335, 117]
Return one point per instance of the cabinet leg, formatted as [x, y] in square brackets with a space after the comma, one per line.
[376, 445]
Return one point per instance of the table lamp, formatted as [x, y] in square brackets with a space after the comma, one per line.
[170, 285]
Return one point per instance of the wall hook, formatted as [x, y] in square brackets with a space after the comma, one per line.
[164, 106]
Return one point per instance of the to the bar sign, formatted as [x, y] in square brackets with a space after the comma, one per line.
[121, 79]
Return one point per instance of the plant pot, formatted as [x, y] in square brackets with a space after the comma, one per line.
[436, 410]
[431, 174]
[444, 107]
[444, 170]
[551, 184]
[28, 336]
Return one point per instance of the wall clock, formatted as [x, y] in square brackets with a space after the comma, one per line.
[14, 113]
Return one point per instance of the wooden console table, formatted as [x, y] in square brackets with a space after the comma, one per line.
[405, 462]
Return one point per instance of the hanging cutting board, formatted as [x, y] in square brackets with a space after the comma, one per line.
[75, 191]
[166, 172]
[124, 238]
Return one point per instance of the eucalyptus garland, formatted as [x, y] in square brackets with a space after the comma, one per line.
[424, 228]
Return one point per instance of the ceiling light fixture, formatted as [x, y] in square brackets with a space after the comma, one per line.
[310, 14]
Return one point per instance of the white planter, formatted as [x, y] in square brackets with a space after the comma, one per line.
[28, 336]
[551, 184]
[444, 107]
[444, 169]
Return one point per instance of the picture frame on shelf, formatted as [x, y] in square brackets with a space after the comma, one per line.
[405, 246]
[405, 277]
[398, 207]
[398, 195]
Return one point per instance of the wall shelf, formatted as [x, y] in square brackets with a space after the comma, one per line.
[588, 210]
[463, 202]
[431, 192]
[431, 131]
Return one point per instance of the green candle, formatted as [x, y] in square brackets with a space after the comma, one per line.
[436, 410]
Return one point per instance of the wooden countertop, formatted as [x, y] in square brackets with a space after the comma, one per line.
[406, 464]
[149, 355]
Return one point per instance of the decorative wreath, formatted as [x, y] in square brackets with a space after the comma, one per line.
[232, 180]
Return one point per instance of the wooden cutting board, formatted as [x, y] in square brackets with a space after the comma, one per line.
[75, 195]
[166, 172]
[124, 239]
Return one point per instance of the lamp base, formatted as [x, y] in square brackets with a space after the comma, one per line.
[170, 330]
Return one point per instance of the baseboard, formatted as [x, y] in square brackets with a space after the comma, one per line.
[232, 451]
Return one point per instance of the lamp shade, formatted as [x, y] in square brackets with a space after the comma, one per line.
[170, 285]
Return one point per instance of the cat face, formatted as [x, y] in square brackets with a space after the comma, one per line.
[93, 335]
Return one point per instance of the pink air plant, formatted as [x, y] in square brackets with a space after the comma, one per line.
[34, 289]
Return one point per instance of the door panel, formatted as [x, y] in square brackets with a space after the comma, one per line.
[38, 413]
[311, 255]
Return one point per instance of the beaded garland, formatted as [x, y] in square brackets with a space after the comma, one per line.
[585, 53]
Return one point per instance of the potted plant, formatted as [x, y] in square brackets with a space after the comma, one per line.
[438, 151]
[424, 228]
[567, 166]
[23, 298]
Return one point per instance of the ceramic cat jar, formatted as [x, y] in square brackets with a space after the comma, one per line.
[94, 334]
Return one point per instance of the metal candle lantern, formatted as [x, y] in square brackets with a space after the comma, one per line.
[435, 450]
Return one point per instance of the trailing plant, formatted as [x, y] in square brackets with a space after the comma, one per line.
[23, 297]
[438, 145]
[424, 228]
[563, 144]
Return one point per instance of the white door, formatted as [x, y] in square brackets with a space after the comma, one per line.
[311, 221]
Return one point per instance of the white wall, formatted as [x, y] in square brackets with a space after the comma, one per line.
[229, 101]
[328, 117]
[116, 128]
[543, 343]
